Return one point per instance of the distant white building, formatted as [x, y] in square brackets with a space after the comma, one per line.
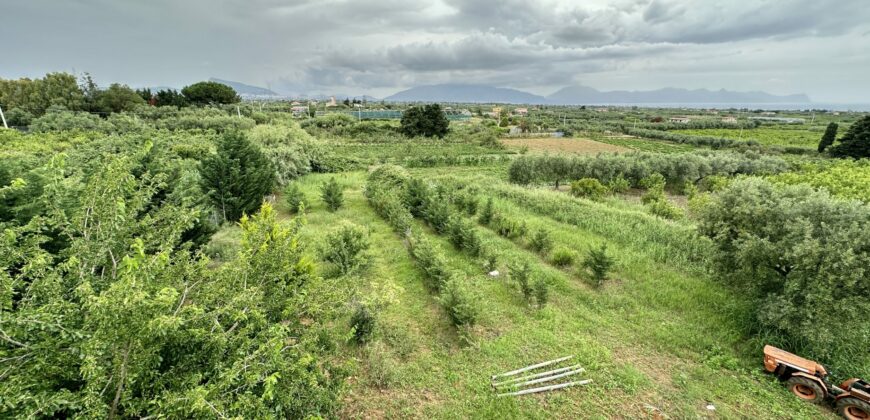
[680, 120]
[780, 119]
[729, 120]
[521, 112]
[299, 110]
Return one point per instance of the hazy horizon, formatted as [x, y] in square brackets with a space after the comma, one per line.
[381, 47]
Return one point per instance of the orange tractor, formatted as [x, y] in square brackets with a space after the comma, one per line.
[809, 381]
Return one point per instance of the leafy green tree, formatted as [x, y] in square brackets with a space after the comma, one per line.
[589, 188]
[802, 257]
[208, 93]
[146, 94]
[427, 121]
[170, 97]
[829, 137]
[332, 194]
[237, 177]
[119, 98]
[856, 142]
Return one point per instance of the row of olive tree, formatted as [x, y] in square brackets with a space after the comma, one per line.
[678, 169]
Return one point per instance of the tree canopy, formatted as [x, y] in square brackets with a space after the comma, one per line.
[207, 93]
[426, 121]
[856, 142]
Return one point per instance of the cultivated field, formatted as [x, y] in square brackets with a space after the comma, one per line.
[562, 145]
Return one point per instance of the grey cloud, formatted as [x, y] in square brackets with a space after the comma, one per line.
[381, 45]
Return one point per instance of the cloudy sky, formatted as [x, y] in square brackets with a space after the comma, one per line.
[377, 47]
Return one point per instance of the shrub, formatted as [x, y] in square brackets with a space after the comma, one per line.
[362, 322]
[332, 195]
[589, 188]
[390, 207]
[464, 236]
[599, 264]
[541, 241]
[416, 196]
[487, 213]
[294, 197]
[509, 228]
[522, 273]
[490, 262]
[562, 257]
[346, 247]
[437, 213]
[542, 292]
[713, 183]
[619, 184]
[665, 209]
[856, 142]
[430, 260]
[459, 303]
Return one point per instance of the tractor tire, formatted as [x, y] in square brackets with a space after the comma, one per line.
[806, 389]
[853, 408]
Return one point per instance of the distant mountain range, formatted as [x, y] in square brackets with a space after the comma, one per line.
[245, 90]
[578, 95]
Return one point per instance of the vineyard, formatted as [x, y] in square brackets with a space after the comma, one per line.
[243, 262]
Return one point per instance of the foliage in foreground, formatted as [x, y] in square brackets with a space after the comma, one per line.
[847, 178]
[125, 322]
[804, 257]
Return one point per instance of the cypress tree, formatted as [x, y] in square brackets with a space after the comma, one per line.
[237, 177]
[829, 137]
[856, 142]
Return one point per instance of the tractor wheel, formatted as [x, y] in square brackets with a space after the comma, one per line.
[806, 389]
[853, 408]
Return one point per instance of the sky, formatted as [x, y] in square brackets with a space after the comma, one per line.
[378, 47]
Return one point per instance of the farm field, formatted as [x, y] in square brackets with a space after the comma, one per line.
[562, 145]
[655, 339]
[236, 261]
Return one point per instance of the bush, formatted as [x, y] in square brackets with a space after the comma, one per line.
[541, 241]
[619, 184]
[362, 322]
[562, 257]
[464, 236]
[430, 260]
[509, 228]
[856, 142]
[459, 303]
[542, 292]
[332, 195]
[346, 248]
[487, 213]
[665, 209]
[294, 197]
[599, 264]
[589, 188]
[522, 273]
[437, 213]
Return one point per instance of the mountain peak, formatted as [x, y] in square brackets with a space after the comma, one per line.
[244, 89]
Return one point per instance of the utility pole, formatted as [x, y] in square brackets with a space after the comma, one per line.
[238, 111]
[3, 117]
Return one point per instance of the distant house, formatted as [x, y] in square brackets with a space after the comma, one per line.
[601, 110]
[680, 120]
[294, 103]
[331, 102]
[299, 110]
[768, 113]
[729, 120]
[522, 112]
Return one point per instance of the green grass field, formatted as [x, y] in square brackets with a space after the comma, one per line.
[658, 337]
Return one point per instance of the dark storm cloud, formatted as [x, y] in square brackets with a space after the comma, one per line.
[378, 46]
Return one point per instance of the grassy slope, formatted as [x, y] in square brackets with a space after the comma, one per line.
[653, 337]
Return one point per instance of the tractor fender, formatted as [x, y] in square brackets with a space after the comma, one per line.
[815, 379]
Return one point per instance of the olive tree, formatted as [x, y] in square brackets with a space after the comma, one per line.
[803, 257]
